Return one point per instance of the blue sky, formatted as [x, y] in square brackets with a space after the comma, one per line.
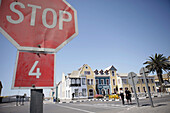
[122, 33]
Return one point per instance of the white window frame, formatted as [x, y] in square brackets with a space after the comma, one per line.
[72, 81]
[84, 93]
[83, 82]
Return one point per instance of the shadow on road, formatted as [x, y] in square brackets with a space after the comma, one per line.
[155, 105]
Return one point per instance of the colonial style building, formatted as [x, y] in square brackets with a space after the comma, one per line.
[85, 83]
[122, 81]
[105, 80]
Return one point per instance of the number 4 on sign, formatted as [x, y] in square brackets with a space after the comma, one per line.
[37, 74]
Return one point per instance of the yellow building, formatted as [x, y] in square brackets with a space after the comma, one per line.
[86, 70]
[140, 86]
[166, 82]
[113, 78]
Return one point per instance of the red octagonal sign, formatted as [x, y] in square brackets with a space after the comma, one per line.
[38, 25]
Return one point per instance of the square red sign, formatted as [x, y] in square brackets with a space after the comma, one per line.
[34, 70]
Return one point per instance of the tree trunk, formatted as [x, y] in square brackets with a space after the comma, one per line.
[159, 74]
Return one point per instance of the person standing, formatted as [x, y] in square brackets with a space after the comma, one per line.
[122, 95]
[128, 95]
[17, 100]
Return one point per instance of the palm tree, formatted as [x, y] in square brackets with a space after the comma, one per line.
[158, 64]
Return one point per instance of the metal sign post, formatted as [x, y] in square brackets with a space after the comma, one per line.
[132, 79]
[36, 104]
[145, 72]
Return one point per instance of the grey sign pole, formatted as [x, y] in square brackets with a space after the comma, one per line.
[36, 104]
[132, 76]
[144, 74]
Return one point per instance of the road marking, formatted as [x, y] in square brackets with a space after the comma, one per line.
[103, 106]
[76, 109]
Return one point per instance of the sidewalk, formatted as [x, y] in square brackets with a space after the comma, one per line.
[158, 108]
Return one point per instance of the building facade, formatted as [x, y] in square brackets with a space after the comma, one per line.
[140, 86]
[86, 83]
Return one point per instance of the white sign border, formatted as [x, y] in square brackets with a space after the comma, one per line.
[44, 49]
[14, 75]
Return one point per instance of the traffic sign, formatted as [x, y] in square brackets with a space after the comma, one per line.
[132, 80]
[34, 70]
[143, 71]
[35, 25]
[134, 76]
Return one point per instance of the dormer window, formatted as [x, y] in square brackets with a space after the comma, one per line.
[101, 72]
[107, 72]
[96, 72]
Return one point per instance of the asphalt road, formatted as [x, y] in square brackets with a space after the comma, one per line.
[89, 106]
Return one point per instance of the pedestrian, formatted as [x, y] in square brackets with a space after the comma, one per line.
[22, 99]
[72, 96]
[128, 95]
[17, 100]
[122, 95]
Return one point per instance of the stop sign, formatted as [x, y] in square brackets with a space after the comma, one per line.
[38, 25]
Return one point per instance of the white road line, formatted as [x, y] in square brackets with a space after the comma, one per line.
[103, 106]
[76, 109]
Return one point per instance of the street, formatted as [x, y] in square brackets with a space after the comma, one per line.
[162, 104]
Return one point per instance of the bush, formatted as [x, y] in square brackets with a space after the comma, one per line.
[98, 96]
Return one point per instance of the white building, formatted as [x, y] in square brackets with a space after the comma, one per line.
[72, 86]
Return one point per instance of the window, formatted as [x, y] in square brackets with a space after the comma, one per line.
[86, 67]
[138, 89]
[113, 73]
[147, 80]
[152, 81]
[88, 81]
[91, 81]
[97, 81]
[107, 81]
[90, 92]
[132, 89]
[142, 81]
[124, 81]
[149, 88]
[83, 81]
[153, 88]
[68, 93]
[87, 72]
[102, 81]
[83, 92]
[108, 91]
[106, 72]
[113, 81]
[78, 81]
[72, 81]
[76, 92]
[144, 89]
